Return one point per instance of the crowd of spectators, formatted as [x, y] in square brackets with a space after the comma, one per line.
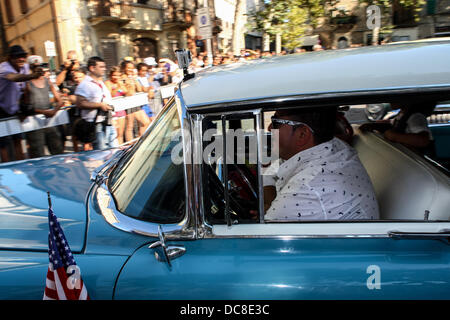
[27, 88]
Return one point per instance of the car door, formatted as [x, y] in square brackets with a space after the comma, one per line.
[310, 261]
[254, 259]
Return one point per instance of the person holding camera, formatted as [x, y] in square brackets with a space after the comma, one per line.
[36, 94]
[65, 76]
[94, 100]
[13, 74]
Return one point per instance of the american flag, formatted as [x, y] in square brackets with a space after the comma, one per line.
[63, 275]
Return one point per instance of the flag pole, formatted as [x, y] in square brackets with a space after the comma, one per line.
[49, 200]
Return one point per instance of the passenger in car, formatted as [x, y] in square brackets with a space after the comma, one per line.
[319, 177]
[409, 127]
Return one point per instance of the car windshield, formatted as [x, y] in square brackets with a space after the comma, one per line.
[147, 184]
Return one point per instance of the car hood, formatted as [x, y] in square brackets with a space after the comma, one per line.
[24, 204]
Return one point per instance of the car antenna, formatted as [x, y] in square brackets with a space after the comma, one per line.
[49, 200]
[184, 59]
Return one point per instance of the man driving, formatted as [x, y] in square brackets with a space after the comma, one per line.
[319, 177]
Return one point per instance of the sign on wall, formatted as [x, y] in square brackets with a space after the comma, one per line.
[50, 50]
[204, 23]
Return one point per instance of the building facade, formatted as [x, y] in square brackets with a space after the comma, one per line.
[108, 28]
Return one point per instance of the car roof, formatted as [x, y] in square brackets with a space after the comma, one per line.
[405, 66]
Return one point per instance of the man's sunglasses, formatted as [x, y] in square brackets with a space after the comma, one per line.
[276, 123]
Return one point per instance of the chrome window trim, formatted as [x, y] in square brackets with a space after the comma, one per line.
[183, 230]
[204, 229]
[197, 179]
[259, 138]
[208, 230]
[105, 202]
[188, 160]
[385, 226]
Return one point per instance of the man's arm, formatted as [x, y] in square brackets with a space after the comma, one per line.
[417, 140]
[48, 112]
[61, 77]
[19, 77]
[381, 125]
[83, 103]
[55, 94]
[270, 193]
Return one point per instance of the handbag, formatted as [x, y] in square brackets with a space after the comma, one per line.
[85, 131]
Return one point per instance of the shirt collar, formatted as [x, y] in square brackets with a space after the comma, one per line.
[321, 151]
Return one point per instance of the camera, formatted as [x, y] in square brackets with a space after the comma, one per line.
[108, 117]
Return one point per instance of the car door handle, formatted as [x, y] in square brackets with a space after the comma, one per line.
[441, 235]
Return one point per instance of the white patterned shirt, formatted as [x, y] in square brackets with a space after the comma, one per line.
[325, 182]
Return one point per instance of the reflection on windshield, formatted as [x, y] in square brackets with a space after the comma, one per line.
[148, 185]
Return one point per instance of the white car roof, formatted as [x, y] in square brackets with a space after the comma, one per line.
[420, 64]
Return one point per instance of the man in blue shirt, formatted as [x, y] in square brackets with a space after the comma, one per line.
[13, 76]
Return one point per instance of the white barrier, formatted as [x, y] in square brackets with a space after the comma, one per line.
[124, 103]
[167, 91]
[10, 126]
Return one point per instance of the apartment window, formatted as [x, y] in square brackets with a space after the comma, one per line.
[23, 6]
[403, 16]
[9, 12]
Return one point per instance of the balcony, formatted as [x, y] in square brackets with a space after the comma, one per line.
[178, 13]
[104, 11]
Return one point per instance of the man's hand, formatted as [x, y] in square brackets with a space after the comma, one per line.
[366, 127]
[67, 64]
[105, 107]
[48, 112]
[38, 73]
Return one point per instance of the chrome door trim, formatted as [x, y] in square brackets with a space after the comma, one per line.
[379, 229]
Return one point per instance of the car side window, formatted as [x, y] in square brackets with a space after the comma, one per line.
[230, 169]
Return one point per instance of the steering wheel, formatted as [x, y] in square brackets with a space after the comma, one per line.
[242, 193]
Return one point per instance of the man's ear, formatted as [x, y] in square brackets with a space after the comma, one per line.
[303, 135]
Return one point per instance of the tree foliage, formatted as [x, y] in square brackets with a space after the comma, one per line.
[292, 18]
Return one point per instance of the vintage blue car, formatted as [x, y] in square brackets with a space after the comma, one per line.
[159, 221]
